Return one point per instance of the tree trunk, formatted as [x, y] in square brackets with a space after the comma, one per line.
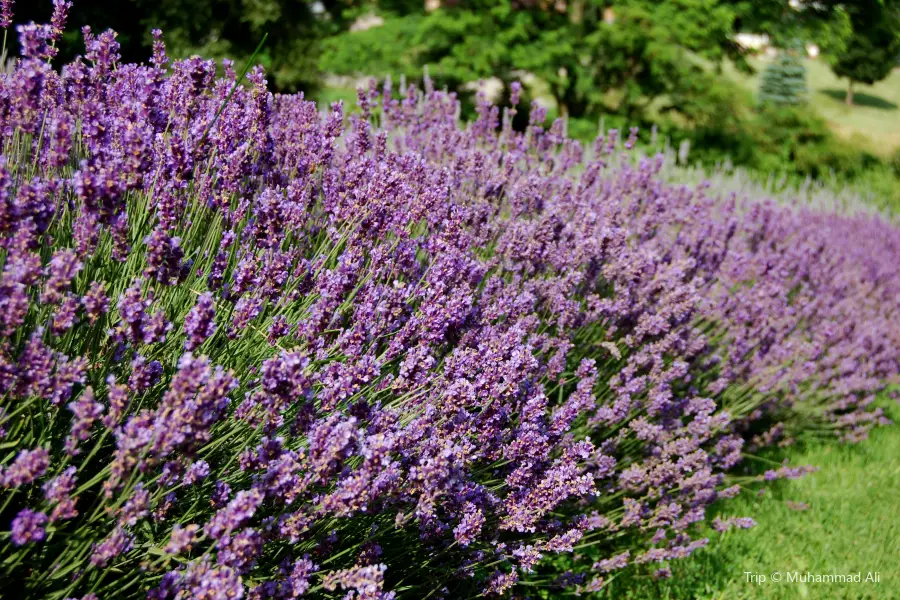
[576, 13]
[849, 98]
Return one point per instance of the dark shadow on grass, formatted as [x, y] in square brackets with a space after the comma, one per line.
[861, 99]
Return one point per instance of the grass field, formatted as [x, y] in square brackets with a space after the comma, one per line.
[851, 525]
[874, 120]
[327, 95]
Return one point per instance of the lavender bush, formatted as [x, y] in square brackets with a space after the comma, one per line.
[250, 353]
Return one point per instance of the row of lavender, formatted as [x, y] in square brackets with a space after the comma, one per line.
[249, 353]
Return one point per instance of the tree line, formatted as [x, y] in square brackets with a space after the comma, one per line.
[594, 55]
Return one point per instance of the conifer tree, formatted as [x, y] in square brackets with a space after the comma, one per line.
[784, 81]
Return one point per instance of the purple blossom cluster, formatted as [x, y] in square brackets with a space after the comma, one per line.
[251, 349]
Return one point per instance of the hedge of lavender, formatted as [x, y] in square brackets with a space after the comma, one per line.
[251, 350]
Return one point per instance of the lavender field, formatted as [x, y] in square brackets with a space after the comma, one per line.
[252, 347]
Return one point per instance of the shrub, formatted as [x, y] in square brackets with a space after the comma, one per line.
[895, 162]
[784, 140]
[248, 352]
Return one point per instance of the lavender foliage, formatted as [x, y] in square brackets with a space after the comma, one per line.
[272, 352]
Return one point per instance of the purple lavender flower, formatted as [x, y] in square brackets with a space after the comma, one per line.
[86, 411]
[165, 258]
[159, 59]
[469, 526]
[562, 480]
[330, 442]
[500, 582]
[118, 542]
[594, 585]
[144, 374]
[136, 507]
[514, 89]
[102, 50]
[27, 466]
[58, 491]
[527, 557]
[196, 399]
[28, 526]
[565, 542]
[6, 13]
[721, 525]
[161, 512]
[234, 514]
[240, 551]
[35, 40]
[245, 310]
[118, 402]
[141, 326]
[367, 582]
[620, 561]
[200, 323]
[198, 471]
[278, 329]
[181, 538]
[301, 571]
[450, 306]
[58, 20]
[171, 473]
[221, 494]
[63, 268]
[96, 302]
[199, 579]
[65, 316]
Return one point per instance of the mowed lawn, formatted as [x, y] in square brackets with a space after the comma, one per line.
[852, 524]
[874, 120]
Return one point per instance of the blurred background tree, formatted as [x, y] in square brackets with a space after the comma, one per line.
[784, 80]
[595, 56]
[613, 56]
[212, 28]
[872, 47]
[638, 59]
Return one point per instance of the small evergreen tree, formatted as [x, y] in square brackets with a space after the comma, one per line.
[784, 81]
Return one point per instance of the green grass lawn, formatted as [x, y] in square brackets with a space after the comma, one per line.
[874, 120]
[327, 95]
[852, 525]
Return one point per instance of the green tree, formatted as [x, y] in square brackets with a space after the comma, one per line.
[622, 56]
[873, 45]
[630, 57]
[784, 80]
[213, 28]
